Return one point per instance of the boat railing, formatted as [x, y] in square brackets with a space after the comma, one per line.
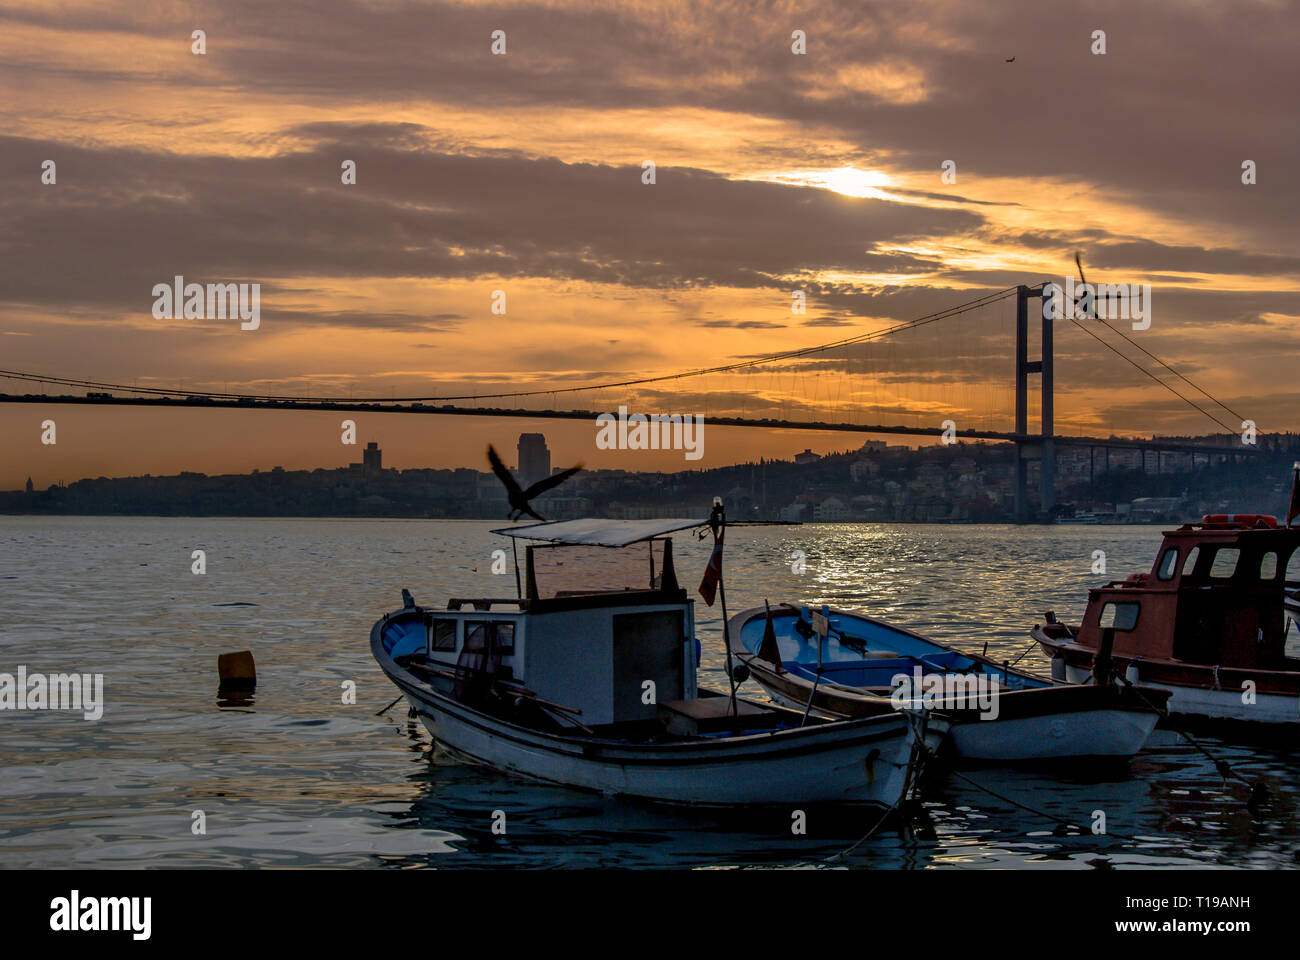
[1133, 580]
[481, 603]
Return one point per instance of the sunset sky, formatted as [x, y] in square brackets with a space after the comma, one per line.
[523, 172]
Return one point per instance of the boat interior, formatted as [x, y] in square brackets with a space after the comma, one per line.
[864, 653]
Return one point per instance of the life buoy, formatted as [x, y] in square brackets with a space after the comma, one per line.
[1244, 520]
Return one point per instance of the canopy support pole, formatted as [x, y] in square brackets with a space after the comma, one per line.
[726, 639]
[717, 523]
[812, 694]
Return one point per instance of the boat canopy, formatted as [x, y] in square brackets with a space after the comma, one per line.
[594, 532]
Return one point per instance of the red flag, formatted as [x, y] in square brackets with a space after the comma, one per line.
[713, 573]
[769, 650]
[1294, 509]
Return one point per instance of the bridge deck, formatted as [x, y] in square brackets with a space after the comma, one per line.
[206, 403]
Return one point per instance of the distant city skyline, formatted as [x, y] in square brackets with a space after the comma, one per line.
[873, 483]
[234, 441]
[1070, 459]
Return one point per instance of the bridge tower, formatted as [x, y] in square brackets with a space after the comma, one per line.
[1041, 447]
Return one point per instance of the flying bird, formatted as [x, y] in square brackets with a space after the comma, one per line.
[519, 498]
[1012, 60]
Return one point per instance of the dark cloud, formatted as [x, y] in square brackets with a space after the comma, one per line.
[120, 221]
[830, 322]
[742, 324]
[358, 319]
[1146, 255]
[1182, 96]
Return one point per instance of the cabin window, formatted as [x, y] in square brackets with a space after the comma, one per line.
[1121, 616]
[1190, 563]
[476, 635]
[1268, 566]
[1168, 564]
[444, 635]
[505, 637]
[1225, 563]
[1293, 567]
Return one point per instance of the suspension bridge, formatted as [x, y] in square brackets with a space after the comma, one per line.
[891, 381]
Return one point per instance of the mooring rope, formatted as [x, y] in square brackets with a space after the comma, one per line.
[1040, 813]
[918, 751]
[1258, 789]
[1032, 644]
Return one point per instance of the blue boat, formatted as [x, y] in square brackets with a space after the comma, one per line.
[838, 663]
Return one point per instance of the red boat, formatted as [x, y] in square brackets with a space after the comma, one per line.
[1208, 623]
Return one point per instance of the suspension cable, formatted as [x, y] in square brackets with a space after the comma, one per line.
[738, 365]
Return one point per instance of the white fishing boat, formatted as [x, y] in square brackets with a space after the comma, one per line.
[861, 666]
[588, 678]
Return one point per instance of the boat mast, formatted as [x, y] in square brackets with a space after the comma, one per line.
[717, 522]
[514, 551]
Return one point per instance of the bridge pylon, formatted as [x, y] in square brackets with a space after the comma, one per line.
[1043, 445]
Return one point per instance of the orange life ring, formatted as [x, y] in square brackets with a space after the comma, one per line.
[1245, 520]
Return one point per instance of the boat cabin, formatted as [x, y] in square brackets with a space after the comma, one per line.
[600, 621]
[1213, 596]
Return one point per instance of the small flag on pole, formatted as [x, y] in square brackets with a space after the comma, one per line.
[1294, 510]
[713, 573]
[769, 650]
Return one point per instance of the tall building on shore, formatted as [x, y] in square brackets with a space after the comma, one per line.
[372, 461]
[534, 459]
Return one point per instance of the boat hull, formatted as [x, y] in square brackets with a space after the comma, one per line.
[1035, 720]
[1195, 691]
[870, 761]
[1055, 723]
[1099, 734]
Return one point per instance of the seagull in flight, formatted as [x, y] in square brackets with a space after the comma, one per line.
[519, 498]
[1012, 60]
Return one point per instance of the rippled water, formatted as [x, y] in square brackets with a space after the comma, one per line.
[298, 778]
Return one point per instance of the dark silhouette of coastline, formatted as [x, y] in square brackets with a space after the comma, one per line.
[965, 482]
